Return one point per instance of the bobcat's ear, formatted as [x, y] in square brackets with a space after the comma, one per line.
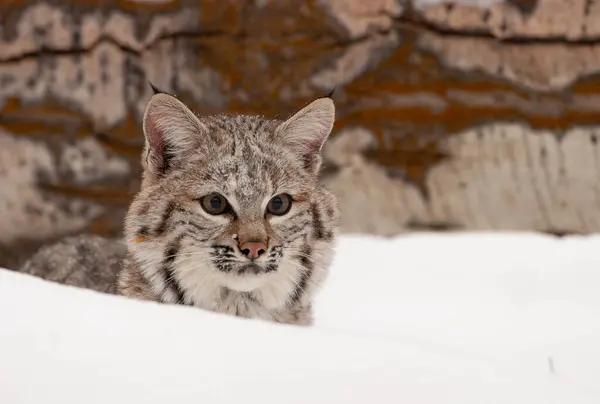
[170, 128]
[306, 131]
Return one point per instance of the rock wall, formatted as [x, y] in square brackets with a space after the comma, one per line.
[451, 115]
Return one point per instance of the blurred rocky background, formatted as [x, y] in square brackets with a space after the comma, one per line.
[454, 115]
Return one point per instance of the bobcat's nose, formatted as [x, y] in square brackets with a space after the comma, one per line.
[253, 249]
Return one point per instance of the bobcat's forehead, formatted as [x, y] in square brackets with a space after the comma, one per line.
[246, 167]
[241, 125]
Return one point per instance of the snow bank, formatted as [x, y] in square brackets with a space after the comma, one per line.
[478, 318]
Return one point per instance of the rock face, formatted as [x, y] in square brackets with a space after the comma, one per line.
[451, 115]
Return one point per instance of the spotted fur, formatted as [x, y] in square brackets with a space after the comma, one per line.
[178, 253]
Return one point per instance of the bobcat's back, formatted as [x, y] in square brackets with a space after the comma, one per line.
[85, 261]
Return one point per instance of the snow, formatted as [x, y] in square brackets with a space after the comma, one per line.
[420, 319]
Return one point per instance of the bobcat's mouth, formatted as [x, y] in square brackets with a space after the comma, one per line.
[255, 269]
[248, 277]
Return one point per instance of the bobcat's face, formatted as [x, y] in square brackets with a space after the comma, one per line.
[232, 202]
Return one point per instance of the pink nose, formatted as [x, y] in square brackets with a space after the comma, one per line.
[253, 249]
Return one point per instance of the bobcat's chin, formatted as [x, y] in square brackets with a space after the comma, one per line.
[245, 282]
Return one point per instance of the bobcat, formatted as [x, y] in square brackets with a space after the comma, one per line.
[231, 216]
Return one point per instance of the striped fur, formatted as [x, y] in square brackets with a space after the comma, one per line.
[178, 253]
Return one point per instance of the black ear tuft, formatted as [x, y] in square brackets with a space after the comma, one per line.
[156, 90]
[330, 94]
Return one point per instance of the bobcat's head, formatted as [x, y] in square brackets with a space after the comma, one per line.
[232, 202]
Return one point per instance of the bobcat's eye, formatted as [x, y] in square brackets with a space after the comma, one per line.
[214, 204]
[279, 205]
